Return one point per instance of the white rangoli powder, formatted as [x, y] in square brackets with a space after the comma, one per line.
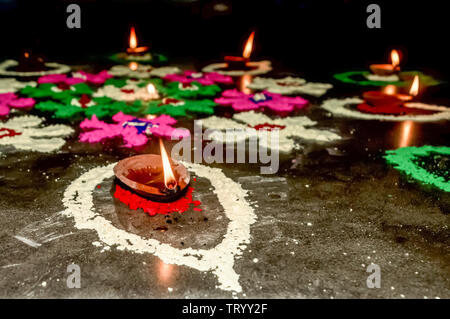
[257, 67]
[54, 68]
[113, 92]
[290, 85]
[338, 108]
[78, 200]
[383, 78]
[142, 71]
[12, 85]
[32, 136]
[294, 127]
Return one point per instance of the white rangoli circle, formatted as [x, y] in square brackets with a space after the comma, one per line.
[78, 200]
[54, 68]
[258, 67]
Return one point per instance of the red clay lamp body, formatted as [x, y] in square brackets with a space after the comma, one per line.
[387, 69]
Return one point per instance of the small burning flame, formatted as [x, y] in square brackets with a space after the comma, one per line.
[133, 66]
[414, 91]
[395, 58]
[390, 89]
[26, 54]
[152, 92]
[133, 39]
[169, 178]
[248, 46]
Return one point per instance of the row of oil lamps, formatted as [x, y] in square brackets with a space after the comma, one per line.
[160, 178]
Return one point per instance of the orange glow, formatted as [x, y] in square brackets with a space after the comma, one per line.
[169, 177]
[165, 273]
[245, 80]
[248, 46]
[414, 91]
[151, 89]
[133, 39]
[26, 54]
[395, 58]
[390, 89]
[133, 66]
[406, 134]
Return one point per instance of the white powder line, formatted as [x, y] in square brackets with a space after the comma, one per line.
[11, 265]
[219, 259]
[27, 241]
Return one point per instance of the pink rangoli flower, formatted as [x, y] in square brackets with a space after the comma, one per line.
[245, 102]
[10, 100]
[134, 131]
[204, 78]
[78, 77]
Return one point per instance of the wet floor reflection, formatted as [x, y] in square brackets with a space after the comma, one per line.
[245, 80]
[407, 134]
[166, 273]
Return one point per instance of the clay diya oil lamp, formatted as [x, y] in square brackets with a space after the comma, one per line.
[389, 95]
[387, 69]
[29, 62]
[155, 177]
[241, 62]
[133, 48]
[136, 53]
[389, 101]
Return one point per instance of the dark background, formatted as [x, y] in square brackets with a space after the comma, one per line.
[314, 38]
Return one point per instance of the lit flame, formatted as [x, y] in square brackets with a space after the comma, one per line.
[26, 54]
[169, 177]
[133, 66]
[151, 89]
[395, 58]
[390, 89]
[133, 39]
[414, 91]
[248, 46]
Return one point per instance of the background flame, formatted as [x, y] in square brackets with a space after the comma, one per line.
[133, 39]
[414, 86]
[395, 58]
[248, 46]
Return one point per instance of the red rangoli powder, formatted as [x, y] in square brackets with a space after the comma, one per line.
[267, 126]
[9, 132]
[84, 100]
[392, 109]
[134, 202]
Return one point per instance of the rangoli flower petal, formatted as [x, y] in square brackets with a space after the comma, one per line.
[240, 101]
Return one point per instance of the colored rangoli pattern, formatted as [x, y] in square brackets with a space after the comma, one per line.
[85, 106]
[152, 208]
[204, 78]
[180, 108]
[28, 133]
[134, 131]
[289, 86]
[246, 102]
[413, 161]
[10, 101]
